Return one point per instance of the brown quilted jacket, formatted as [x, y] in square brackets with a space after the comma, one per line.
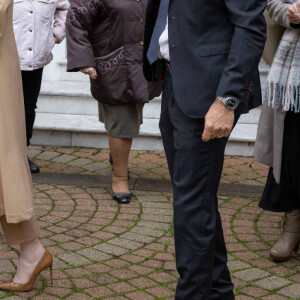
[108, 35]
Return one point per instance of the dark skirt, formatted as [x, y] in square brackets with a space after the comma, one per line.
[285, 196]
[121, 120]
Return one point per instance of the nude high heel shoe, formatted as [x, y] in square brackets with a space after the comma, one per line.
[290, 239]
[45, 262]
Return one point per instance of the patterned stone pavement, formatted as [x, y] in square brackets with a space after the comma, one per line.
[107, 251]
[242, 170]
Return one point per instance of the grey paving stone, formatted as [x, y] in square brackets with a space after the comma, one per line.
[93, 254]
[137, 237]
[61, 292]
[230, 257]
[156, 197]
[237, 265]
[96, 167]
[162, 205]
[6, 266]
[125, 243]
[33, 152]
[292, 291]
[251, 274]
[158, 211]
[59, 264]
[79, 296]
[147, 231]
[80, 162]
[272, 283]
[154, 225]
[111, 249]
[74, 259]
[157, 218]
[48, 155]
[64, 158]
[45, 297]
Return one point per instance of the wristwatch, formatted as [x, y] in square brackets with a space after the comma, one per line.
[230, 103]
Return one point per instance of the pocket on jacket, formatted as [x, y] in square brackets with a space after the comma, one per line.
[18, 15]
[51, 42]
[111, 86]
[47, 46]
[46, 9]
[216, 48]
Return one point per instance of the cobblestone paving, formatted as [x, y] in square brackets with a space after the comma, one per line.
[143, 164]
[106, 251]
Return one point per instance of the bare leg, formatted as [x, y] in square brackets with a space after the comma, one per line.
[30, 255]
[120, 149]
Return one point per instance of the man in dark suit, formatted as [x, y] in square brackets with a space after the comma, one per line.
[208, 53]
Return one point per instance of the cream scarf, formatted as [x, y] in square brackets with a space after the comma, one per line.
[283, 83]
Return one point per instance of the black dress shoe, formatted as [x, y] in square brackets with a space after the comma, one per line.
[34, 169]
[121, 198]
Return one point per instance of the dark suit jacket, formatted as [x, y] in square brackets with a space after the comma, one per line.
[215, 49]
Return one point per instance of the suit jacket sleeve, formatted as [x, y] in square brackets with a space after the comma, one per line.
[4, 4]
[246, 47]
[80, 19]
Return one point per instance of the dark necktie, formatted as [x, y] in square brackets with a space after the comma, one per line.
[160, 25]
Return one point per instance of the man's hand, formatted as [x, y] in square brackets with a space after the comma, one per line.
[91, 72]
[218, 122]
[293, 13]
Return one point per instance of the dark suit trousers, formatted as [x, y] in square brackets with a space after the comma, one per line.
[195, 169]
[32, 81]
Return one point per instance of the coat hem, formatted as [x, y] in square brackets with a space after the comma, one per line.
[21, 217]
[35, 66]
[278, 210]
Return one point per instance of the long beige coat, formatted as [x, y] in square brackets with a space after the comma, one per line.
[269, 140]
[16, 197]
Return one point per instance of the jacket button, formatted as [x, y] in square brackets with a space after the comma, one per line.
[141, 20]
[30, 49]
[142, 43]
[138, 0]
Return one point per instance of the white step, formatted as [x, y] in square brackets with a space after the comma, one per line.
[87, 131]
[73, 97]
[70, 76]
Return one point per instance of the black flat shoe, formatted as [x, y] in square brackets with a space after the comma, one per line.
[34, 169]
[121, 198]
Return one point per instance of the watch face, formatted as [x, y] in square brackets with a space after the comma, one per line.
[231, 103]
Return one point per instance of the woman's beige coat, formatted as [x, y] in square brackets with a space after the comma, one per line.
[269, 140]
[16, 197]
